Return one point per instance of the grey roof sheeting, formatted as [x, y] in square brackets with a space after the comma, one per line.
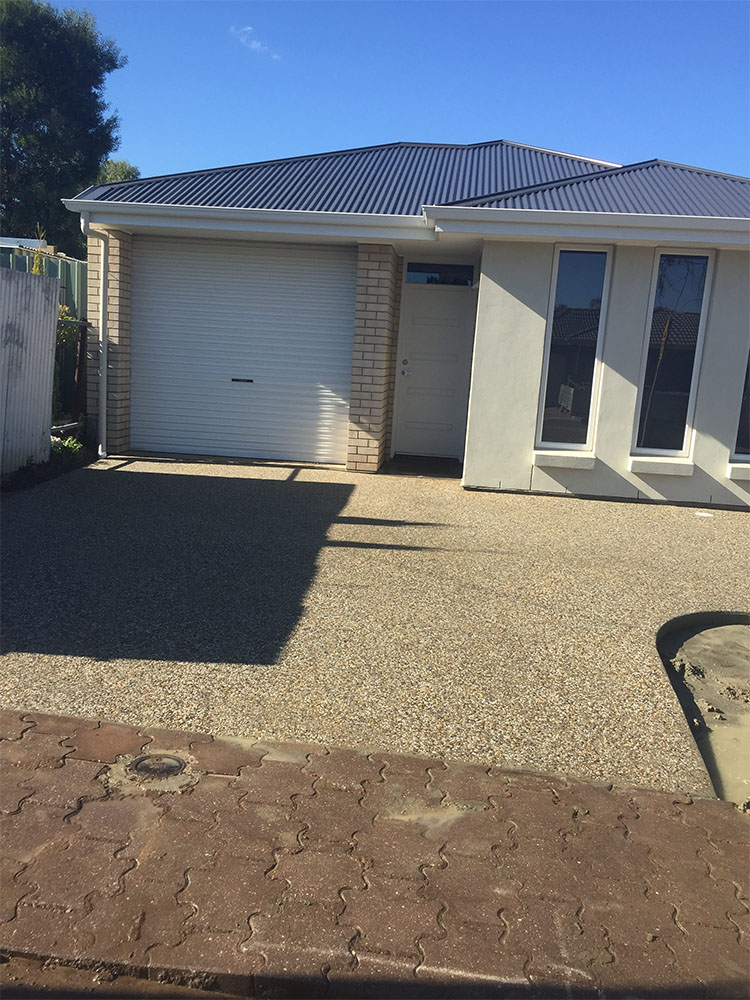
[579, 326]
[655, 187]
[394, 179]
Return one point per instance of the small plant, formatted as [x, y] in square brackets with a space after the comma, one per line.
[66, 449]
[64, 456]
[37, 266]
[67, 327]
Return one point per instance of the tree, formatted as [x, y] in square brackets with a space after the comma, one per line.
[117, 170]
[55, 131]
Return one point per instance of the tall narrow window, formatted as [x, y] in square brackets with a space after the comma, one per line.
[742, 444]
[572, 347]
[672, 350]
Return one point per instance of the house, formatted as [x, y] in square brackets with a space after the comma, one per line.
[557, 323]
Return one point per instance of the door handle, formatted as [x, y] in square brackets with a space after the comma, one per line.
[405, 372]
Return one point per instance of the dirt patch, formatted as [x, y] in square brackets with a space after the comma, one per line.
[33, 978]
[124, 778]
[32, 475]
[709, 666]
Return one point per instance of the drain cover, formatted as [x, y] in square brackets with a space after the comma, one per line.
[156, 765]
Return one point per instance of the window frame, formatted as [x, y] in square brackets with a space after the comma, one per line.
[688, 439]
[588, 445]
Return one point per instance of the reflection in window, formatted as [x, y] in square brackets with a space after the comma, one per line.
[742, 445]
[440, 274]
[573, 342]
[673, 341]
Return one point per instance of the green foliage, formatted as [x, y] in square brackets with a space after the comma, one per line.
[67, 327]
[65, 450]
[55, 129]
[112, 171]
[64, 456]
[37, 266]
[68, 332]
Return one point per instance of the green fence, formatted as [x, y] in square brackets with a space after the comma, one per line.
[72, 274]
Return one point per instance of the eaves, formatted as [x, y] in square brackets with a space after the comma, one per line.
[515, 223]
[133, 217]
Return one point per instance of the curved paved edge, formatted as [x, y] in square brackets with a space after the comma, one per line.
[292, 869]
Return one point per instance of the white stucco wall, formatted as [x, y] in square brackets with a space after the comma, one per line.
[509, 346]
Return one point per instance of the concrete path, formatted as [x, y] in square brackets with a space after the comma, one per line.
[293, 870]
[309, 604]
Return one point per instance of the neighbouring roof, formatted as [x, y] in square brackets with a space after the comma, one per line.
[394, 179]
[574, 325]
[655, 187]
[577, 326]
[681, 328]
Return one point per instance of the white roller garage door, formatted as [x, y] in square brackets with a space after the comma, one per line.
[206, 313]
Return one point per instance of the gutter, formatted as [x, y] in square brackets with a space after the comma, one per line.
[545, 224]
[352, 225]
[435, 219]
[102, 414]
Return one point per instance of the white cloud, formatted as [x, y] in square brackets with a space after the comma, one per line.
[246, 37]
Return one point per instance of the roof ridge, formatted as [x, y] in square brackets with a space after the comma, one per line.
[558, 152]
[700, 170]
[545, 185]
[336, 152]
[292, 159]
[594, 175]
[250, 163]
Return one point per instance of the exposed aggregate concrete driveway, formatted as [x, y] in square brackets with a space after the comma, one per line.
[298, 603]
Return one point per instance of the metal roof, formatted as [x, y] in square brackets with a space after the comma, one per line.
[394, 179]
[655, 187]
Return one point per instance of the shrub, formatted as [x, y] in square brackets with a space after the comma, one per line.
[66, 450]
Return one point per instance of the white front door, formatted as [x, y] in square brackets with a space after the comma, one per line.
[433, 369]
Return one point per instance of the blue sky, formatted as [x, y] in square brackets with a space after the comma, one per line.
[210, 83]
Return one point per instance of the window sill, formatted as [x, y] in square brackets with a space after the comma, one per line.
[553, 459]
[739, 471]
[661, 466]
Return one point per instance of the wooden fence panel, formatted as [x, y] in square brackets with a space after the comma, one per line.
[28, 322]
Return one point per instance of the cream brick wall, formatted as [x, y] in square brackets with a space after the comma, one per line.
[118, 335]
[373, 356]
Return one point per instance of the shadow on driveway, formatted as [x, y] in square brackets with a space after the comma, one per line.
[149, 566]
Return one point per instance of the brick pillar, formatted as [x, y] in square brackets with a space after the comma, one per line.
[118, 336]
[374, 356]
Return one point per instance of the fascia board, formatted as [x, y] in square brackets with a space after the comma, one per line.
[350, 224]
[537, 223]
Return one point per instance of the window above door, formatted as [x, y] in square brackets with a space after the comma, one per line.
[439, 274]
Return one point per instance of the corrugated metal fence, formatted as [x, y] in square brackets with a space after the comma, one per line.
[28, 323]
[69, 390]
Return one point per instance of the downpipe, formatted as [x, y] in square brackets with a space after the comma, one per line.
[102, 415]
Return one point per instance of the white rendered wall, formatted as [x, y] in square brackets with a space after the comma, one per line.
[511, 321]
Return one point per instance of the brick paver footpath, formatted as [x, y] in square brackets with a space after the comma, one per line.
[287, 870]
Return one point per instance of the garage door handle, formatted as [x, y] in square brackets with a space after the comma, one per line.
[243, 379]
